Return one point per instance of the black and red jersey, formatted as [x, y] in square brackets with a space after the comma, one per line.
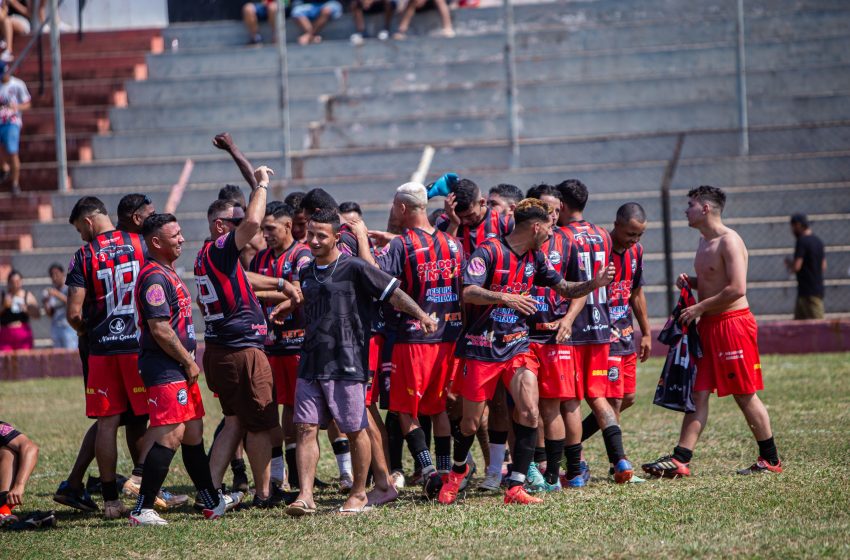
[232, 314]
[550, 306]
[493, 225]
[107, 268]
[629, 275]
[162, 294]
[429, 266]
[591, 252]
[494, 333]
[285, 339]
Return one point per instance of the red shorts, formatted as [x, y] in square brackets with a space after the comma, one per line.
[376, 348]
[591, 362]
[622, 376]
[419, 377]
[557, 377]
[454, 384]
[285, 372]
[173, 403]
[482, 377]
[730, 360]
[114, 385]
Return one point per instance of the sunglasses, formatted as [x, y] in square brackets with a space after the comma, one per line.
[145, 202]
[234, 221]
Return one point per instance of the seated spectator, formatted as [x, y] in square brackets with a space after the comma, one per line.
[17, 307]
[312, 16]
[14, 98]
[415, 5]
[18, 457]
[55, 303]
[360, 7]
[15, 20]
[349, 211]
[255, 12]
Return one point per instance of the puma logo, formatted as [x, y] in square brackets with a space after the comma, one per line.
[104, 392]
[150, 400]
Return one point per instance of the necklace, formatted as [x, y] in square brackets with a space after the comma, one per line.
[336, 262]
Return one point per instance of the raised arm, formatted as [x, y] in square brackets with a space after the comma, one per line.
[224, 142]
[167, 339]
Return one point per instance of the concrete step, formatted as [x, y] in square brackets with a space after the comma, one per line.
[77, 119]
[43, 148]
[79, 92]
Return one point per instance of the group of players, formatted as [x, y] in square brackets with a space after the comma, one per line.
[507, 310]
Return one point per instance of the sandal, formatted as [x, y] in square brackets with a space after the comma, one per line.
[300, 508]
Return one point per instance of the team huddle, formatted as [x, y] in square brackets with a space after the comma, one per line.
[493, 317]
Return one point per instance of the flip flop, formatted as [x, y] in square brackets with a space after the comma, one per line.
[355, 511]
[300, 508]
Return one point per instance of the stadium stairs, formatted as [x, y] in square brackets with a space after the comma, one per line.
[606, 88]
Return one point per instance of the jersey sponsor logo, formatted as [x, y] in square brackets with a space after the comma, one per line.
[452, 317]
[117, 325]
[504, 315]
[620, 290]
[443, 294]
[258, 329]
[443, 268]
[477, 267]
[554, 257]
[584, 238]
[182, 397]
[287, 267]
[452, 246]
[617, 312]
[152, 401]
[293, 334]
[416, 325]
[731, 355]
[5, 429]
[155, 295]
[597, 316]
[483, 340]
[112, 252]
[138, 390]
[542, 304]
[515, 288]
[529, 269]
[546, 326]
[302, 262]
[599, 372]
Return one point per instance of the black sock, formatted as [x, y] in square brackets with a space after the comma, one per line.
[277, 452]
[499, 438]
[395, 441]
[291, 466]
[237, 465]
[198, 467]
[526, 438]
[341, 447]
[589, 426]
[418, 448]
[554, 452]
[573, 455]
[138, 470]
[463, 444]
[3, 496]
[768, 452]
[157, 463]
[539, 454]
[683, 454]
[443, 447]
[109, 489]
[614, 443]
[425, 424]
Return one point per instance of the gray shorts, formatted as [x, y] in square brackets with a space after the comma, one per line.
[317, 402]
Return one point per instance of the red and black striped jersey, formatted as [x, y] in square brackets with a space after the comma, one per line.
[494, 333]
[550, 306]
[493, 225]
[232, 314]
[629, 275]
[285, 339]
[107, 268]
[429, 266]
[591, 252]
[161, 294]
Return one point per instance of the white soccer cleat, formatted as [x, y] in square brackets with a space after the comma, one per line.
[398, 479]
[146, 517]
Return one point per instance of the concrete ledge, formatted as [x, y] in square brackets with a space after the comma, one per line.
[776, 337]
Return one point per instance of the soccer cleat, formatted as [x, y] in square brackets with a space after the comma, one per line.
[492, 482]
[170, 500]
[93, 485]
[585, 472]
[281, 496]
[761, 466]
[77, 499]
[667, 467]
[345, 482]
[131, 489]
[578, 481]
[240, 480]
[465, 482]
[7, 519]
[451, 486]
[398, 479]
[534, 479]
[635, 479]
[115, 509]
[623, 471]
[518, 495]
[416, 478]
[35, 520]
[219, 509]
[232, 499]
[432, 485]
[146, 517]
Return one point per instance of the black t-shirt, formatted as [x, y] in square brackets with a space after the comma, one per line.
[493, 333]
[810, 277]
[339, 307]
[107, 268]
[162, 294]
[7, 433]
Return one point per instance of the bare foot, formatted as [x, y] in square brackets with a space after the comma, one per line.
[355, 503]
[316, 39]
[377, 497]
[305, 39]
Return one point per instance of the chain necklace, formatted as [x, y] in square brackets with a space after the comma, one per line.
[315, 266]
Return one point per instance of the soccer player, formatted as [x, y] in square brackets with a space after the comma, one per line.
[503, 198]
[428, 263]
[727, 329]
[283, 258]
[591, 334]
[497, 282]
[349, 211]
[468, 218]
[625, 294]
[168, 369]
[235, 365]
[100, 282]
[339, 291]
[18, 458]
[299, 219]
[133, 209]
[560, 392]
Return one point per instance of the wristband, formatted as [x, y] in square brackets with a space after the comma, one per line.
[280, 284]
[261, 186]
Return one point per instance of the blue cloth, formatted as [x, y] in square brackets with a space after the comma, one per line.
[10, 137]
[311, 11]
[442, 186]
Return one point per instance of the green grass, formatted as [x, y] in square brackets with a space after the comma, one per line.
[803, 512]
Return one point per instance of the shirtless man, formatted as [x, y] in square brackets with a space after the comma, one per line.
[727, 329]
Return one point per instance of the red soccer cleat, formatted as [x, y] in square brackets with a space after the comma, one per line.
[518, 495]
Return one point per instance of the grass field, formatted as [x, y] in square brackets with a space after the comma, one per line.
[803, 512]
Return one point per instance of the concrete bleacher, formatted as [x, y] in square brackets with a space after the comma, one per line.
[604, 92]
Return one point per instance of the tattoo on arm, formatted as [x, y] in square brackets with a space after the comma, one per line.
[404, 303]
[169, 342]
[477, 295]
[571, 290]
